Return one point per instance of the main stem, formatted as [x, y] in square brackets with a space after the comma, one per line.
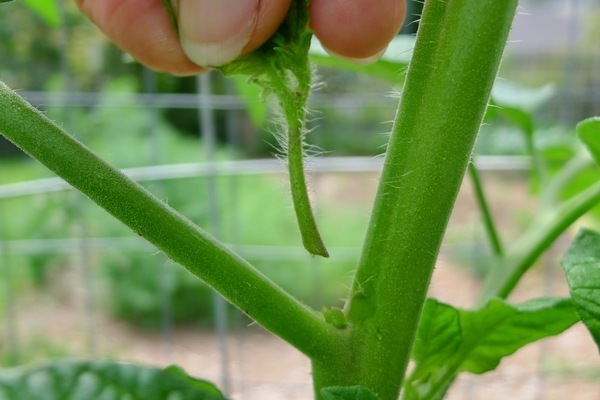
[457, 53]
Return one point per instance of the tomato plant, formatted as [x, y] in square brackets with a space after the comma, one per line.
[363, 351]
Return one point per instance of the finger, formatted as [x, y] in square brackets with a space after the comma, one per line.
[357, 29]
[214, 33]
[142, 29]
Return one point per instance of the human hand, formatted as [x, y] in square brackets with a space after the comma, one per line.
[215, 32]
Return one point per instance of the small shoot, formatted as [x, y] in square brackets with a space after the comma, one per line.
[282, 69]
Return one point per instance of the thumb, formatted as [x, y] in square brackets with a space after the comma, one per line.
[214, 33]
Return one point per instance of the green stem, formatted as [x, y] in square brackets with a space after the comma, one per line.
[488, 220]
[293, 104]
[282, 67]
[547, 227]
[551, 193]
[537, 163]
[169, 231]
[457, 53]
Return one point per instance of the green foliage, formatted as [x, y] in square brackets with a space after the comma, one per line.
[391, 67]
[348, 393]
[451, 340]
[518, 104]
[369, 342]
[141, 286]
[589, 133]
[46, 9]
[582, 267]
[80, 380]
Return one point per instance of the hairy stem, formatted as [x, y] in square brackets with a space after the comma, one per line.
[457, 53]
[169, 231]
[293, 105]
[281, 67]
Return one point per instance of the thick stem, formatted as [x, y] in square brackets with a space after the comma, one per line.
[169, 231]
[458, 50]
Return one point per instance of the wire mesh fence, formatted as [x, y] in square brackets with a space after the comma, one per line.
[76, 284]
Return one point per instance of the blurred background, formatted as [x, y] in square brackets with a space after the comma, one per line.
[75, 283]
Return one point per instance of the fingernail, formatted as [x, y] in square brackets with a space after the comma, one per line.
[214, 32]
[362, 61]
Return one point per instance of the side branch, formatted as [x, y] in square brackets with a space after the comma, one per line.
[169, 231]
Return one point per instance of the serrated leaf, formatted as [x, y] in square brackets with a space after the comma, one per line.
[581, 263]
[451, 340]
[589, 133]
[99, 380]
[348, 393]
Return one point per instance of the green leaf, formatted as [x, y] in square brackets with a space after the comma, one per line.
[518, 104]
[76, 380]
[348, 393]
[46, 9]
[582, 266]
[451, 340]
[5, 1]
[589, 133]
[250, 94]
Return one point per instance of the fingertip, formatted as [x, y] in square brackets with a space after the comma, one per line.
[357, 29]
[141, 28]
[271, 14]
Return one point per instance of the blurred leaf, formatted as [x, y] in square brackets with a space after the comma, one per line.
[72, 380]
[452, 340]
[507, 94]
[582, 266]
[256, 105]
[589, 133]
[348, 393]
[391, 67]
[5, 1]
[46, 9]
[514, 102]
[518, 104]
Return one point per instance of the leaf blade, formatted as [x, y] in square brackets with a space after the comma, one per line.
[581, 263]
[451, 340]
[46, 9]
[588, 132]
[75, 380]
